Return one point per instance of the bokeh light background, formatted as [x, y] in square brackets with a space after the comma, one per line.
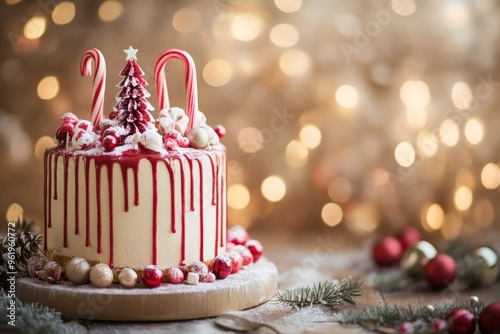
[356, 115]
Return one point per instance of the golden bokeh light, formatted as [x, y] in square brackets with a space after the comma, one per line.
[331, 214]
[296, 154]
[474, 131]
[250, 140]
[490, 176]
[380, 177]
[288, 6]
[416, 116]
[238, 196]
[310, 136]
[186, 20]
[461, 95]
[42, 144]
[449, 132]
[415, 93]
[35, 27]
[110, 10]
[273, 188]
[463, 198]
[452, 226]
[433, 217]
[12, 2]
[217, 72]
[404, 154]
[365, 219]
[14, 212]
[246, 27]
[339, 189]
[48, 88]
[284, 35]
[427, 143]
[294, 62]
[404, 7]
[63, 13]
[347, 96]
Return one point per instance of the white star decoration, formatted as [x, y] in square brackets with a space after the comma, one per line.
[130, 52]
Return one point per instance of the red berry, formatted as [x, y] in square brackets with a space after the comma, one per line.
[69, 118]
[229, 246]
[175, 275]
[489, 319]
[109, 143]
[152, 276]
[387, 252]
[255, 247]
[408, 236]
[245, 254]
[461, 321]
[405, 328]
[221, 266]
[437, 326]
[236, 261]
[237, 235]
[220, 131]
[440, 271]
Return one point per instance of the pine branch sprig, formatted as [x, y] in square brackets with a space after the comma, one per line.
[329, 293]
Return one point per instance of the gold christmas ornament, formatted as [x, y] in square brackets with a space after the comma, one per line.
[78, 271]
[482, 266]
[127, 278]
[416, 257]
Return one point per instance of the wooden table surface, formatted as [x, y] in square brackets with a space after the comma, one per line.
[303, 259]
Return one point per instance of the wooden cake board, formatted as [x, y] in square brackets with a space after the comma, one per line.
[249, 287]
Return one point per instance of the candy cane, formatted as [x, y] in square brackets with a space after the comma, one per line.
[99, 84]
[191, 84]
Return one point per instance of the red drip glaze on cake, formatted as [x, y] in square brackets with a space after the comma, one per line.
[131, 160]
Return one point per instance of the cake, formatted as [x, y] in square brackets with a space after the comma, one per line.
[133, 190]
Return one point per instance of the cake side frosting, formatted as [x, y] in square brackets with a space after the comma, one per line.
[163, 209]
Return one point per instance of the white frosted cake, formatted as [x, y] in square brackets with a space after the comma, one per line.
[134, 190]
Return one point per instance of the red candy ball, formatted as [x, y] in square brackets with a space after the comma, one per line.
[408, 236]
[69, 118]
[489, 319]
[220, 131]
[461, 321]
[109, 143]
[440, 271]
[221, 266]
[387, 252]
[152, 276]
[237, 235]
[256, 248]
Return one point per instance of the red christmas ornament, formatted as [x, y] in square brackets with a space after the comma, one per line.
[440, 271]
[237, 235]
[221, 266]
[256, 248]
[152, 276]
[111, 132]
[489, 319]
[220, 131]
[461, 321]
[387, 252]
[405, 328]
[408, 237]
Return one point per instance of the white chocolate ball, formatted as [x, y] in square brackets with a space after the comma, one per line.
[77, 270]
[127, 278]
[101, 275]
[198, 137]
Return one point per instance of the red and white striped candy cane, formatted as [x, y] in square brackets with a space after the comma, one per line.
[191, 83]
[99, 84]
